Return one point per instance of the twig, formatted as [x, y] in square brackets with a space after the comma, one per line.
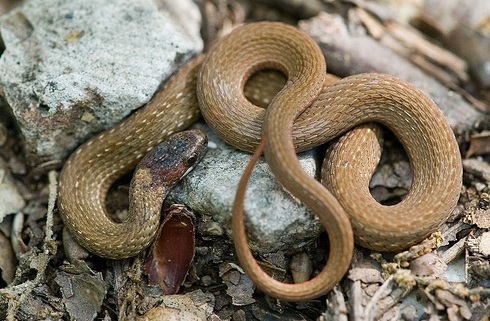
[357, 309]
[454, 251]
[369, 311]
[336, 307]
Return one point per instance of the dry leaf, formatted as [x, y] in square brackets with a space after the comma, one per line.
[172, 252]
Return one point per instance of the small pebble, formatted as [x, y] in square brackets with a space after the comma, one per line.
[301, 267]
[429, 264]
[206, 280]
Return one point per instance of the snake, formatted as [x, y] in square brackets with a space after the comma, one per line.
[90, 171]
[161, 168]
[308, 111]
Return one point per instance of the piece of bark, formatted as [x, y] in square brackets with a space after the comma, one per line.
[347, 54]
[414, 40]
[414, 46]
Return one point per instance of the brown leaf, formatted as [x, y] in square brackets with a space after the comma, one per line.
[172, 252]
[479, 144]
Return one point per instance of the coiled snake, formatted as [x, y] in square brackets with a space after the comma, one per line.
[304, 114]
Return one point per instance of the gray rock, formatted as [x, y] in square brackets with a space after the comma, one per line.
[274, 219]
[73, 68]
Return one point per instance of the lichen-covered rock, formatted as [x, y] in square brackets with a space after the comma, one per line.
[73, 68]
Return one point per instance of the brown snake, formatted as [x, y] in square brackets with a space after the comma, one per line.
[289, 126]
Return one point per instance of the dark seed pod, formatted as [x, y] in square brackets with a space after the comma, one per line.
[172, 252]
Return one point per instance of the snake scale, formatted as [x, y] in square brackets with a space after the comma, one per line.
[304, 114]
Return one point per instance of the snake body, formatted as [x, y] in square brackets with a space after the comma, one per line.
[304, 114]
[96, 165]
[326, 112]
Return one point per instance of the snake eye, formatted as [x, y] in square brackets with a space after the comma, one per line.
[192, 160]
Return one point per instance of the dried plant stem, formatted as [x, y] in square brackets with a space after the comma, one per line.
[19, 293]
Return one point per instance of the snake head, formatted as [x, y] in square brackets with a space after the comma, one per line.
[167, 163]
